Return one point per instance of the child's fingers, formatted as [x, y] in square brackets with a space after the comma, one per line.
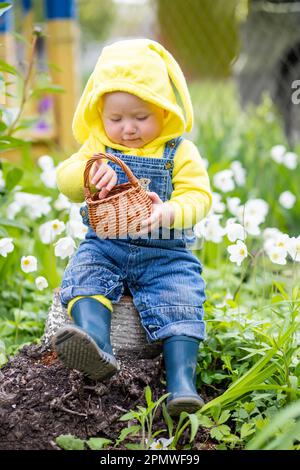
[106, 189]
[103, 193]
[99, 174]
[104, 180]
[95, 168]
[149, 223]
[112, 182]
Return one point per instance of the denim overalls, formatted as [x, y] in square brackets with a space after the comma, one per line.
[163, 276]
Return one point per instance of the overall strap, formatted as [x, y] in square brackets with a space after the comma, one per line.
[171, 147]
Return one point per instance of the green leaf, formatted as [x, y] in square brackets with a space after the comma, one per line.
[3, 232]
[7, 143]
[276, 298]
[225, 415]
[148, 396]
[5, 67]
[47, 89]
[215, 412]
[134, 446]
[127, 416]
[69, 442]
[3, 126]
[14, 223]
[220, 431]
[281, 289]
[4, 6]
[247, 429]
[194, 426]
[295, 293]
[263, 437]
[13, 177]
[168, 420]
[127, 431]
[98, 443]
[205, 421]
[20, 38]
[232, 303]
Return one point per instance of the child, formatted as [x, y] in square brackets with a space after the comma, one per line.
[129, 109]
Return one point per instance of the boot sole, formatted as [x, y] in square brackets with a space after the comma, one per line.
[77, 350]
[188, 404]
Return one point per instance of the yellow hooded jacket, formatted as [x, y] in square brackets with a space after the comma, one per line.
[146, 69]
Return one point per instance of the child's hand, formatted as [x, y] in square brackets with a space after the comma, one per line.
[162, 214]
[103, 177]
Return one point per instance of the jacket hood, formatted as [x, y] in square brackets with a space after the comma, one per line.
[144, 68]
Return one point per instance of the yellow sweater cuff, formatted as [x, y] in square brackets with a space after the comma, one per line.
[187, 214]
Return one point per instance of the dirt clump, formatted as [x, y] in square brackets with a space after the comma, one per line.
[40, 399]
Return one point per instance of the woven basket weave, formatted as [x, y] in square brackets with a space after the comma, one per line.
[128, 337]
[122, 211]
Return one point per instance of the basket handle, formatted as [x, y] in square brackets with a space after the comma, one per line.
[97, 156]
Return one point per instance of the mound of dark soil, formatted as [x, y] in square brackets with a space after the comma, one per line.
[40, 400]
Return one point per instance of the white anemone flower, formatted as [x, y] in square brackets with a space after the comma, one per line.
[210, 229]
[290, 160]
[217, 204]
[271, 232]
[277, 153]
[287, 199]
[62, 202]
[233, 204]
[76, 229]
[277, 255]
[238, 252]
[161, 444]
[39, 207]
[239, 173]
[223, 180]
[49, 178]
[34, 204]
[41, 283]
[28, 264]
[254, 208]
[251, 226]
[228, 296]
[49, 230]
[74, 213]
[12, 210]
[235, 232]
[2, 181]
[45, 162]
[64, 247]
[6, 246]
[294, 248]
[281, 242]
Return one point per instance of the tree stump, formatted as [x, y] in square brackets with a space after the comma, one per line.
[128, 337]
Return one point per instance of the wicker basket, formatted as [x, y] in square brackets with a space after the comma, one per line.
[122, 211]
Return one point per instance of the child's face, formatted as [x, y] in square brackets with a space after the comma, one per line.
[130, 121]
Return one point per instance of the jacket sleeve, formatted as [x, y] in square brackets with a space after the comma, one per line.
[191, 197]
[69, 173]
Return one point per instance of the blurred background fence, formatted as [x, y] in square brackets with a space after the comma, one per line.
[251, 45]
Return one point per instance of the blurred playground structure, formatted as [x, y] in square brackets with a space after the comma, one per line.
[255, 43]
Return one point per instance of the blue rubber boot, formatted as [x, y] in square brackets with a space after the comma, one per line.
[180, 356]
[85, 346]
